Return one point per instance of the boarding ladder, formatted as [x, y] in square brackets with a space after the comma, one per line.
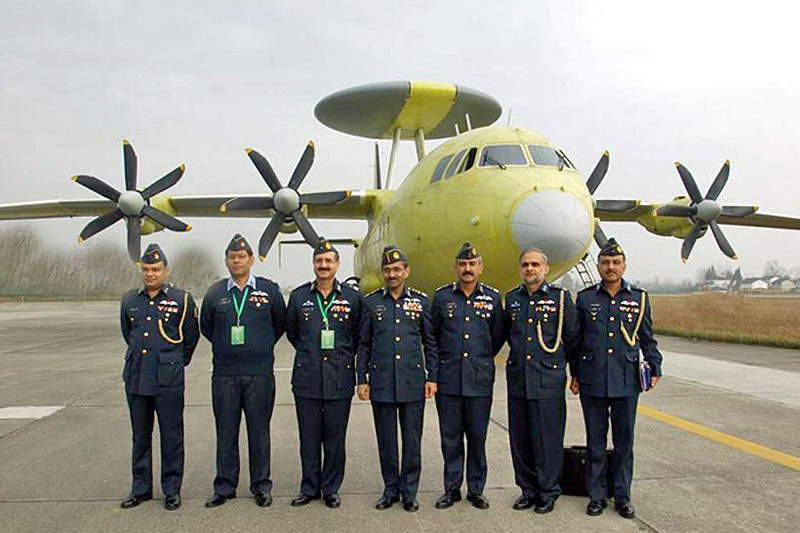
[585, 268]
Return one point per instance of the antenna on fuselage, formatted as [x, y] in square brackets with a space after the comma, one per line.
[469, 124]
[508, 122]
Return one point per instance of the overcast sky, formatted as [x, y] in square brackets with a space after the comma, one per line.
[197, 82]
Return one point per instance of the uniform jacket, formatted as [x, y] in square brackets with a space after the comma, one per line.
[328, 374]
[156, 353]
[531, 371]
[263, 317]
[606, 365]
[393, 336]
[469, 333]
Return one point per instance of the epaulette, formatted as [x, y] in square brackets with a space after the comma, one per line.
[445, 286]
[416, 291]
[485, 286]
[373, 292]
[303, 286]
[591, 287]
[518, 288]
[635, 288]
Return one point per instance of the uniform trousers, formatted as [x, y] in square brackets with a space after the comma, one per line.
[459, 417]
[399, 480]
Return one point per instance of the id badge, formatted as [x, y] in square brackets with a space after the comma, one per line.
[237, 335]
[327, 339]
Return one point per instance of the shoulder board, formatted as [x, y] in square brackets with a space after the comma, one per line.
[445, 286]
[305, 285]
[592, 287]
[518, 288]
[635, 288]
[373, 292]
[485, 286]
[557, 287]
[415, 291]
[131, 293]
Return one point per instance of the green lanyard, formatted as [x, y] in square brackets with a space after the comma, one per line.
[324, 311]
[239, 308]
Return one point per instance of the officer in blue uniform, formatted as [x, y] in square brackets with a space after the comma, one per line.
[542, 332]
[393, 372]
[243, 317]
[469, 327]
[615, 325]
[323, 326]
[159, 325]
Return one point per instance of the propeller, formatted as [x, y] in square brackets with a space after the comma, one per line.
[592, 183]
[131, 204]
[286, 201]
[704, 210]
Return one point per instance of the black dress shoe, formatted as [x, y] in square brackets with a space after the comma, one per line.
[303, 499]
[595, 507]
[544, 507]
[411, 505]
[478, 501]
[172, 502]
[625, 509]
[524, 502]
[332, 501]
[448, 499]
[264, 499]
[132, 500]
[385, 502]
[218, 499]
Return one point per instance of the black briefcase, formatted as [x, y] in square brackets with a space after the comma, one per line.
[573, 475]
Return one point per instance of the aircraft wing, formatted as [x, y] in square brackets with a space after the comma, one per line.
[636, 210]
[355, 204]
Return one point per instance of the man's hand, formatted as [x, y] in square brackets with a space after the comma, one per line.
[653, 381]
[574, 387]
[363, 392]
[430, 389]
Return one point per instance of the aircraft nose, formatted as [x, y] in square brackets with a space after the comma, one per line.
[554, 221]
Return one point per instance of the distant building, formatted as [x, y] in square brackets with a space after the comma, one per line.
[755, 284]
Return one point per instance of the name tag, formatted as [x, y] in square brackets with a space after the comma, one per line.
[327, 337]
[237, 335]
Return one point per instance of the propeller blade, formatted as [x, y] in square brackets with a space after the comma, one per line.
[323, 198]
[688, 242]
[305, 227]
[689, 183]
[251, 203]
[168, 221]
[100, 187]
[687, 211]
[599, 172]
[268, 237]
[377, 168]
[719, 182]
[616, 206]
[600, 236]
[134, 239]
[163, 183]
[264, 168]
[129, 157]
[302, 167]
[100, 223]
[739, 211]
[723, 243]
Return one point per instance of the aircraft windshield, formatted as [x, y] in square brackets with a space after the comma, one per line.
[437, 174]
[456, 162]
[545, 155]
[502, 155]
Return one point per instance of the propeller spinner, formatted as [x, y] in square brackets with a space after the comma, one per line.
[704, 210]
[132, 204]
[286, 201]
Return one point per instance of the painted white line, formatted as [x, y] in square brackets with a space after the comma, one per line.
[767, 383]
[15, 413]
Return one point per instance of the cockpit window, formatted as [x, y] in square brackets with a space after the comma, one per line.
[456, 162]
[547, 156]
[502, 155]
[437, 174]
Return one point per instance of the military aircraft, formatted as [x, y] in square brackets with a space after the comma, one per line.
[501, 187]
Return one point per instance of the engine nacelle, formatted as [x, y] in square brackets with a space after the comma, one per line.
[668, 226]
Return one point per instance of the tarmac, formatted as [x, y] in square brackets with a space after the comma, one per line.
[717, 445]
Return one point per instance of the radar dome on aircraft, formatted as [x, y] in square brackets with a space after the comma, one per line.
[377, 110]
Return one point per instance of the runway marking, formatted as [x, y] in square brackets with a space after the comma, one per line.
[36, 412]
[783, 459]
